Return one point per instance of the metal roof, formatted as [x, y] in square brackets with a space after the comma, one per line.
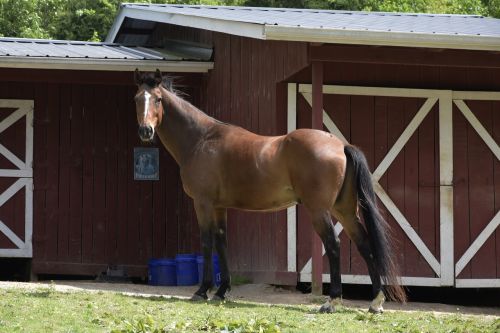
[58, 54]
[330, 26]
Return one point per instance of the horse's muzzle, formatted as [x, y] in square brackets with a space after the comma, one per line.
[146, 133]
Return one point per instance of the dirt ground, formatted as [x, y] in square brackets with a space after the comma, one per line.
[260, 293]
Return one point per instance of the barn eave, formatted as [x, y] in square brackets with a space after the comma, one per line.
[104, 64]
[465, 32]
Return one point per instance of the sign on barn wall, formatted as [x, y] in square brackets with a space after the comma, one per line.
[146, 164]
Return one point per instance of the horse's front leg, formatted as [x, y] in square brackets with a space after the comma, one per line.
[220, 238]
[205, 215]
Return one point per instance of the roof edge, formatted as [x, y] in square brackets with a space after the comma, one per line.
[361, 37]
[105, 64]
[245, 29]
[303, 34]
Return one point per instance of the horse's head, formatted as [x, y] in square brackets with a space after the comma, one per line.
[148, 103]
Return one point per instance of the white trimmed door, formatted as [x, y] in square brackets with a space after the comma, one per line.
[477, 188]
[16, 178]
[444, 103]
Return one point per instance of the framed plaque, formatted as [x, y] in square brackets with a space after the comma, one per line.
[146, 163]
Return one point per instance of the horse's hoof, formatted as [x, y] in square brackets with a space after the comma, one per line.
[217, 298]
[376, 305]
[198, 298]
[376, 310]
[326, 308]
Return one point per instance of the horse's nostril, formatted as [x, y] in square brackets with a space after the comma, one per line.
[146, 132]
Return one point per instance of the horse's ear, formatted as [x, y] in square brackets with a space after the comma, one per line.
[137, 77]
[158, 77]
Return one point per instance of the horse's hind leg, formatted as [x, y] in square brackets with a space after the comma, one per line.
[358, 235]
[346, 211]
[220, 238]
[323, 225]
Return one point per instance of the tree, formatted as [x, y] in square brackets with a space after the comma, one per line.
[85, 19]
[28, 18]
[492, 7]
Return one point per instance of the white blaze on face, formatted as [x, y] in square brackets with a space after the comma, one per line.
[146, 104]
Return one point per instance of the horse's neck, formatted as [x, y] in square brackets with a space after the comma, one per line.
[182, 126]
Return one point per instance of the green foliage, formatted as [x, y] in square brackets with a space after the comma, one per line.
[492, 7]
[428, 6]
[85, 19]
[28, 18]
[92, 19]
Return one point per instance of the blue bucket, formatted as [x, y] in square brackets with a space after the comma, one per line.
[187, 272]
[216, 269]
[162, 272]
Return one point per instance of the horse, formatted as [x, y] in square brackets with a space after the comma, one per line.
[225, 166]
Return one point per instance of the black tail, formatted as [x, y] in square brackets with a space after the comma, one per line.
[377, 228]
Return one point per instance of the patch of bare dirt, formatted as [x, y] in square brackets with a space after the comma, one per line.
[260, 293]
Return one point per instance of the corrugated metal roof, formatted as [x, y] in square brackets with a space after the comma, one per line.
[350, 20]
[41, 53]
[370, 28]
[73, 49]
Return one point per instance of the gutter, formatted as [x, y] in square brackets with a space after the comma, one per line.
[382, 38]
[126, 65]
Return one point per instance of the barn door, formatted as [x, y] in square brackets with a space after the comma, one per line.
[436, 171]
[476, 180]
[16, 182]
[406, 135]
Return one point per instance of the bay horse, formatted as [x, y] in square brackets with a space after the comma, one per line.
[225, 166]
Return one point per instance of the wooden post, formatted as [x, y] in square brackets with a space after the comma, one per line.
[317, 123]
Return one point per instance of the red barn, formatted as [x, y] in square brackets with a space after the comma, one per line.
[68, 131]
[419, 93]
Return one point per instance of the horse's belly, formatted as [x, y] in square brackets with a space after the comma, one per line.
[263, 199]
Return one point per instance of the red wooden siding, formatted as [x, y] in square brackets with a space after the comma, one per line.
[88, 210]
[477, 185]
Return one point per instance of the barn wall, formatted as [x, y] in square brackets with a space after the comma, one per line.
[88, 210]
[247, 88]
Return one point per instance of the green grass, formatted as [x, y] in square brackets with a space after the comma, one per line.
[46, 310]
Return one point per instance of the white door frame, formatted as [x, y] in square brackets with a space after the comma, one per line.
[445, 268]
[24, 173]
